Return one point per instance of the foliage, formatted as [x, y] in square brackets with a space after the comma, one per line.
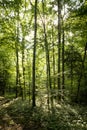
[65, 117]
[57, 39]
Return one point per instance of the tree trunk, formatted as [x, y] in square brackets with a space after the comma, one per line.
[63, 76]
[49, 86]
[59, 46]
[17, 56]
[23, 69]
[17, 69]
[34, 57]
[54, 81]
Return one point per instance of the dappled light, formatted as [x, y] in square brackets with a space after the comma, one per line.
[20, 116]
[43, 64]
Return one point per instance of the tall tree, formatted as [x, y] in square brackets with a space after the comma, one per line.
[59, 43]
[34, 57]
[54, 70]
[63, 49]
[49, 86]
[16, 48]
[23, 90]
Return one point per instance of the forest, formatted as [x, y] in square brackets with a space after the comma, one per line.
[43, 64]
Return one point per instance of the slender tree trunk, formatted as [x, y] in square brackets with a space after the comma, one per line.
[29, 75]
[59, 45]
[29, 72]
[17, 56]
[49, 86]
[63, 76]
[63, 51]
[23, 69]
[17, 69]
[54, 81]
[23, 88]
[63, 62]
[34, 57]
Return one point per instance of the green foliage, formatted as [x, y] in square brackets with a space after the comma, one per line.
[65, 117]
[5, 68]
[74, 21]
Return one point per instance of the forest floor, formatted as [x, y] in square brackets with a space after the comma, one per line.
[18, 115]
[6, 122]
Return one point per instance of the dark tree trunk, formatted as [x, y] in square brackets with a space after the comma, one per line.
[23, 69]
[63, 62]
[34, 57]
[54, 79]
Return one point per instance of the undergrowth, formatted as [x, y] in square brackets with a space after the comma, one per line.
[65, 117]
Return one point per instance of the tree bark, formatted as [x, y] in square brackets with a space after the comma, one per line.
[54, 71]
[63, 69]
[23, 69]
[49, 86]
[59, 45]
[34, 57]
[17, 55]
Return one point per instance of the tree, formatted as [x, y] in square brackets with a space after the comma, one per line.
[49, 86]
[17, 50]
[59, 44]
[34, 57]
